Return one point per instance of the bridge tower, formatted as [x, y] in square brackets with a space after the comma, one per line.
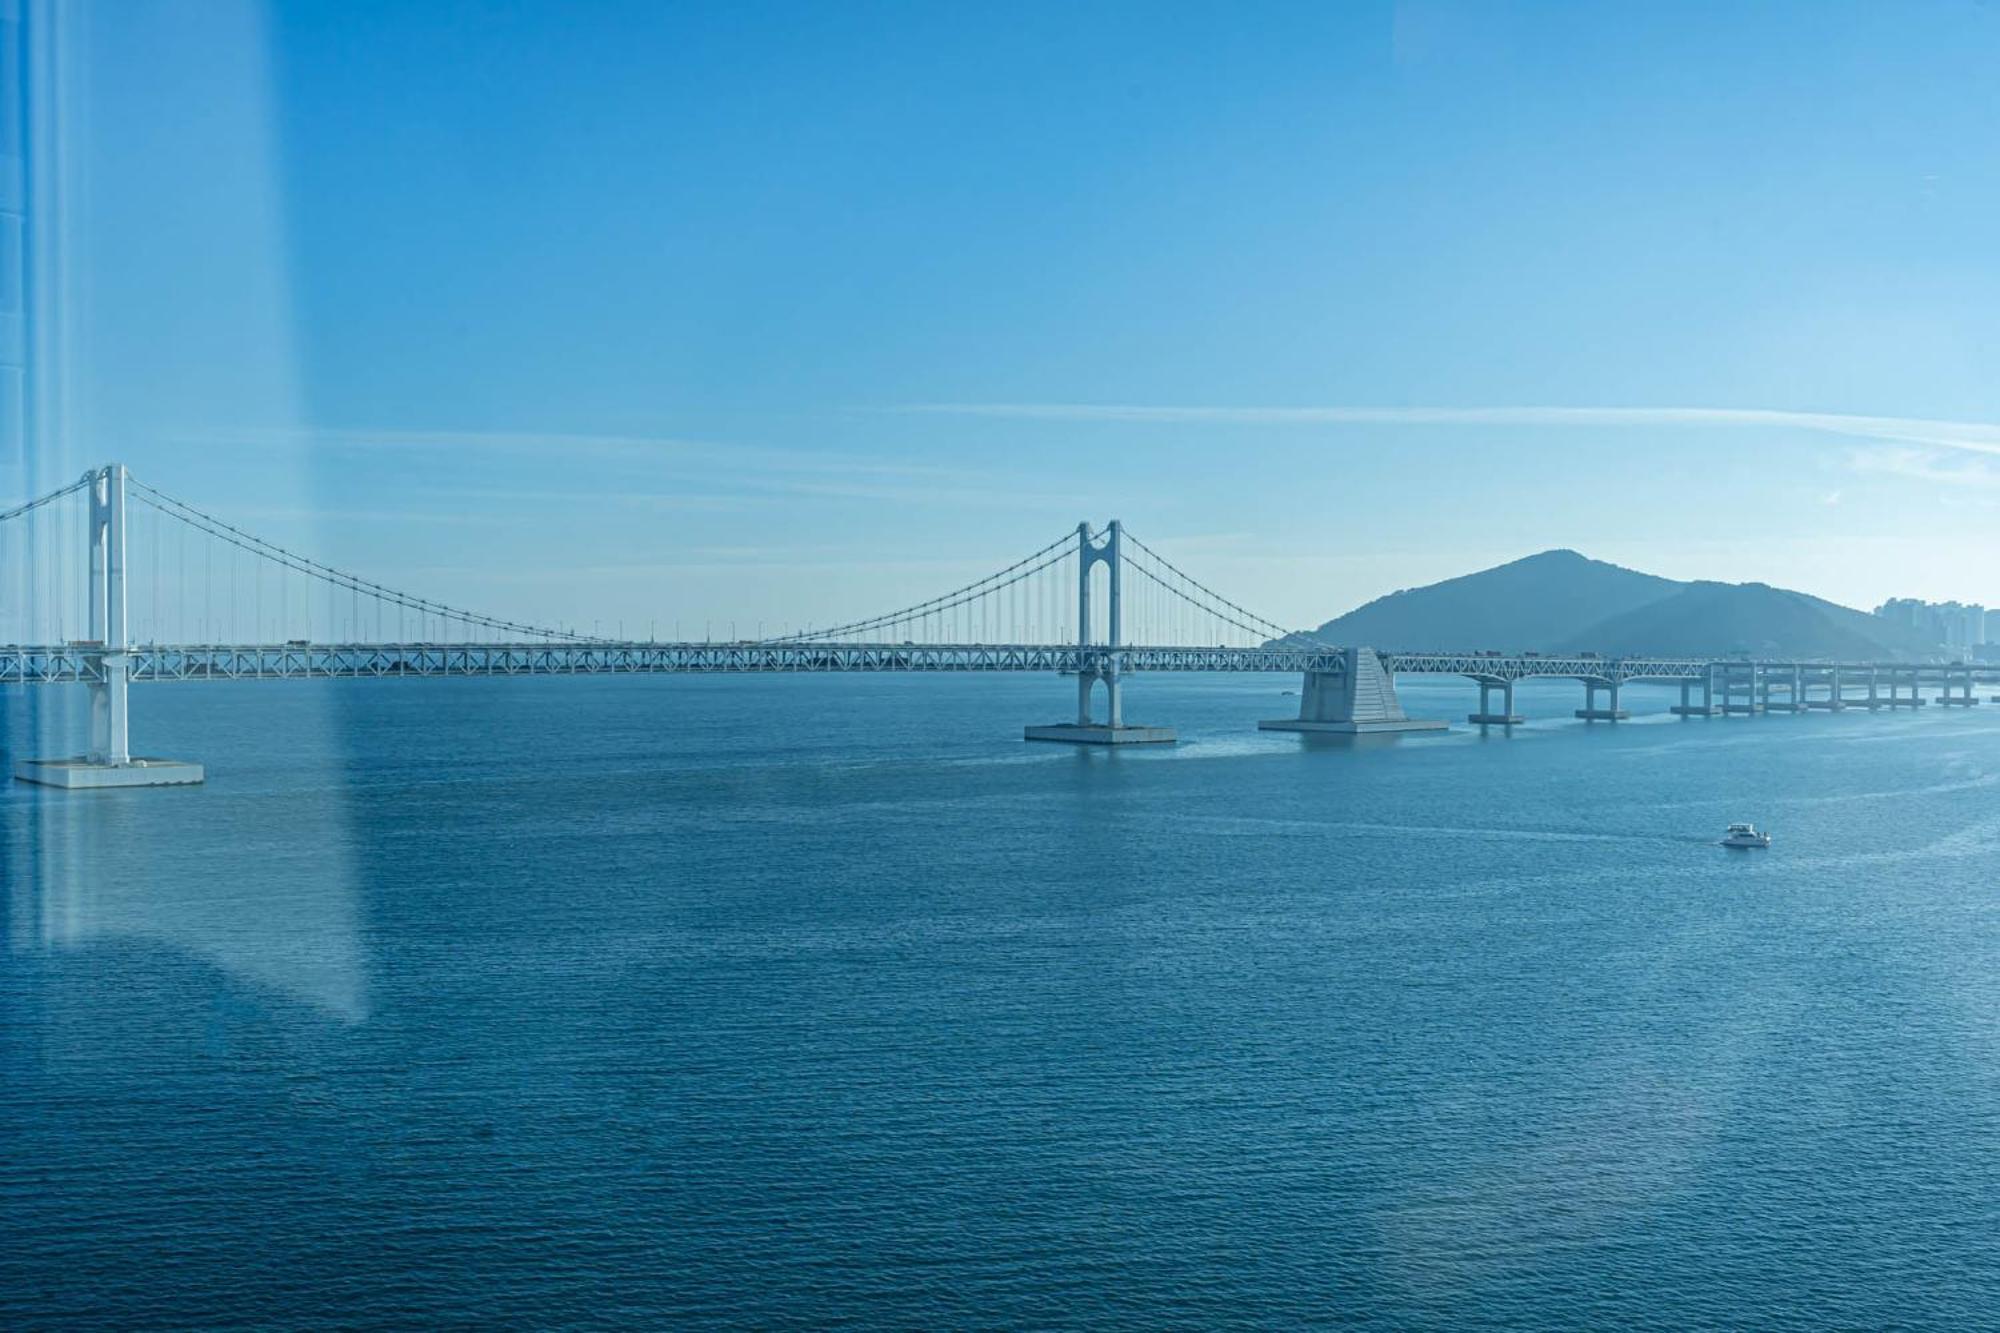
[109, 627]
[107, 660]
[1099, 662]
[1092, 666]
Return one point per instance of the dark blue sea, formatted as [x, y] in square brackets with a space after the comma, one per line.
[820, 1001]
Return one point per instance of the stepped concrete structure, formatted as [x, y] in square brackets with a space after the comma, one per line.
[1345, 691]
[1359, 700]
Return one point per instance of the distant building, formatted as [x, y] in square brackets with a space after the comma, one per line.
[1952, 625]
[1901, 611]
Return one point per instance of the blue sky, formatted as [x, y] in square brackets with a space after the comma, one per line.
[790, 312]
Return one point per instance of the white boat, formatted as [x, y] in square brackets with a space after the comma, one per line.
[1745, 835]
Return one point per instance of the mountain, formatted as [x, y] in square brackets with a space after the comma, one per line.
[1715, 619]
[1536, 602]
[1561, 601]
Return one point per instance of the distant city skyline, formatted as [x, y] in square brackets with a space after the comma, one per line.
[1954, 624]
[783, 314]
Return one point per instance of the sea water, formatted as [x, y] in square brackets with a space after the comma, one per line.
[777, 1001]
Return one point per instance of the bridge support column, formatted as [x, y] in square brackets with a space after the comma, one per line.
[1791, 683]
[1094, 663]
[1836, 697]
[1486, 717]
[1358, 700]
[1706, 708]
[1590, 712]
[1965, 698]
[110, 732]
[1750, 677]
[110, 762]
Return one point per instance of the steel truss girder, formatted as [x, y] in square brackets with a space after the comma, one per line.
[74, 663]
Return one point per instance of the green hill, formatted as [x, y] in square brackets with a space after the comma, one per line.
[1560, 601]
[1715, 619]
[1534, 602]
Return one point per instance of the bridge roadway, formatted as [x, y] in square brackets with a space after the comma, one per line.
[83, 663]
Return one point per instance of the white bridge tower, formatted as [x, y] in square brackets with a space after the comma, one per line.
[107, 660]
[1095, 662]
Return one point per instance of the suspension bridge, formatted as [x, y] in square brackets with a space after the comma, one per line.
[109, 582]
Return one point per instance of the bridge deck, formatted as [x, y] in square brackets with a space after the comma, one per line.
[80, 662]
[264, 662]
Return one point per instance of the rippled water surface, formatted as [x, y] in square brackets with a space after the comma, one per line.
[816, 1000]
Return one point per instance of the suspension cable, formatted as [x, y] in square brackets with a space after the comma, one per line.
[276, 554]
[1270, 628]
[1226, 619]
[948, 601]
[50, 498]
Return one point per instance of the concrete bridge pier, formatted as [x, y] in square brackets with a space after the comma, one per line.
[1898, 677]
[1486, 717]
[1706, 708]
[1743, 678]
[1098, 663]
[1965, 697]
[1590, 712]
[1836, 697]
[1114, 696]
[1791, 682]
[1359, 700]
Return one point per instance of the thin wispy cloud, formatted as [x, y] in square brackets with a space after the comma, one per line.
[1979, 437]
[652, 449]
[665, 501]
[1926, 465]
[301, 514]
[720, 475]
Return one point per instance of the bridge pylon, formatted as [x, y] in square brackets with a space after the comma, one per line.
[107, 657]
[1099, 662]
